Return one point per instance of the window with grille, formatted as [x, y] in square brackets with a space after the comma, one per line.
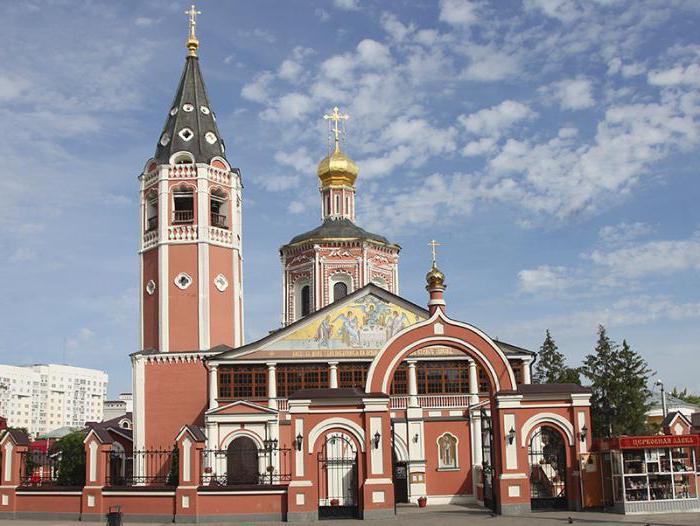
[352, 375]
[399, 385]
[291, 378]
[305, 300]
[242, 382]
[443, 377]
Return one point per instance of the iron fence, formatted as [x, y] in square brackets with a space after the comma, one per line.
[151, 467]
[237, 466]
[39, 468]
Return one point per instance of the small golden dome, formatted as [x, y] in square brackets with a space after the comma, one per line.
[337, 169]
[435, 278]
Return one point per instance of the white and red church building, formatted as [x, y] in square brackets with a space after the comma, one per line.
[372, 398]
[362, 400]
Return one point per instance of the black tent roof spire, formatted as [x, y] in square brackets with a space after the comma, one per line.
[191, 124]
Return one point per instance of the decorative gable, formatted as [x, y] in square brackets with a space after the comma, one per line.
[241, 407]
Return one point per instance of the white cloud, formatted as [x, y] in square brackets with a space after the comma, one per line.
[395, 28]
[296, 207]
[616, 66]
[22, 255]
[258, 89]
[144, 21]
[483, 146]
[623, 232]
[489, 64]
[544, 279]
[678, 75]
[655, 257]
[279, 183]
[373, 54]
[299, 159]
[459, 12]
[289, 107]
[12, 87]
[494, 120]
[562, 10]
[347, 5]
[290, 70]
[571, 94]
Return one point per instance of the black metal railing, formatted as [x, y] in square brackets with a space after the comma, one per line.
[240, 466]
[153, 467]
[38, 468]
[183, 216]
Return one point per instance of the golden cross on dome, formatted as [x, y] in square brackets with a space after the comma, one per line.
[192, 42]
[336, 117]
[433, 245]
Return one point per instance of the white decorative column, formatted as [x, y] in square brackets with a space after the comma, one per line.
[412, 384]
[527, 379]
[272, 385]
[213, 386]
[333, 375]
[473, 384]
[477, 448]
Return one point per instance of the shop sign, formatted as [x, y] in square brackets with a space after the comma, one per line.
[642, 442]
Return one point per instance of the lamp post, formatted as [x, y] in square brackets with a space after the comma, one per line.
[664, 408]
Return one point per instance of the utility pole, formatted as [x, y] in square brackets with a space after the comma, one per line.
[664, 409]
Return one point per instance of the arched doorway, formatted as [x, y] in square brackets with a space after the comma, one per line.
[337, 478]
[399, 470]
[548, 470]
[242, 462]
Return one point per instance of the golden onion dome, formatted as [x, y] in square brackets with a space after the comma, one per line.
[337, 169]
[435, 278]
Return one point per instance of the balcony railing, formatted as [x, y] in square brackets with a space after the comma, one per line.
[183, 216]
[433, 401]
[218, 220]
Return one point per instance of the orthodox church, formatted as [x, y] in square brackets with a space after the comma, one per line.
[363, 398]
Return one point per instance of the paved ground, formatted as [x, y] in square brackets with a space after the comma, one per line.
[463, 516]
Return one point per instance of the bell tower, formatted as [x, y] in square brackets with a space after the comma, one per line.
[191, 261]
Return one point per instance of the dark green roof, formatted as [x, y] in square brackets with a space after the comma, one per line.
[338, 229]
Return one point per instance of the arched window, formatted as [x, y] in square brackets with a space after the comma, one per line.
[242, 462]
[151, 211]
[447, 452]
[340, 290]
[305, 300]
[337, 204]
[183, 204]
[218, 208]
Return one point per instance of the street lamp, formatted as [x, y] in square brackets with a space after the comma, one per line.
[664, 409]
[299, 441]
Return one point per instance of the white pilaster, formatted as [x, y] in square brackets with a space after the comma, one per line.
[213, 386]
[527, 378]
[412, 384]
[163, 267]
[333, 375]
[473, 383]
[203, 220]
[272, 385]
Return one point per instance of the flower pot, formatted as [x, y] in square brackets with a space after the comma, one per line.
[422, 502]
[335, 502]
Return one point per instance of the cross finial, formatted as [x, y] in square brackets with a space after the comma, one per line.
[192, 42]
[433, 246]
[336, 117]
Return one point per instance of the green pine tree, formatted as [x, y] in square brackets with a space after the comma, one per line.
[551, 365]
[685, 396]
[619, 378]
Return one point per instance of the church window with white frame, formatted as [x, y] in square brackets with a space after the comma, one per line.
[447, 452]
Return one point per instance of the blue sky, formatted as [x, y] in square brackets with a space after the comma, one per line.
[552, 145]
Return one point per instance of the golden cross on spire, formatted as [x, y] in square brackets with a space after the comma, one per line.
[336, 117]
[433, 245]
[192, 42]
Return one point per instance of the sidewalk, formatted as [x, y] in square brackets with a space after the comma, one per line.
[453, 516]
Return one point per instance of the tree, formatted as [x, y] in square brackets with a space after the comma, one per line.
[70, 452]
[685, 396]
[551, 367]
[619, 378]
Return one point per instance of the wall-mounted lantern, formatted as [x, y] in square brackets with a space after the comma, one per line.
[415, 438]
[377, 438]
[511, 436]
[584, 433]
[299, 441]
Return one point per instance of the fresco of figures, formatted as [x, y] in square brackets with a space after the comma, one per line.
[366, 323]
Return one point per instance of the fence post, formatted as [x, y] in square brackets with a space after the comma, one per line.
[13, 445]
[98, 444]
[190, 442]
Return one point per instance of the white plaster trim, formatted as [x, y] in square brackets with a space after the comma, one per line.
[376, 454]
[93, 447]
[261, 492]
[450, 499]
[138, 380]
[508, 476]
[400, 447]
[300, 484]
[511, 448]
[187, 459]
[371, 482]
[341, 423]
[8, 461]
[424, 342]
[546, 418]
[226, 441]
[61, 493]
[298, 453]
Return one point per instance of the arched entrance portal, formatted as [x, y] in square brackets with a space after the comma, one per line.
[547, 454]
[242, 462]
[337, 478]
